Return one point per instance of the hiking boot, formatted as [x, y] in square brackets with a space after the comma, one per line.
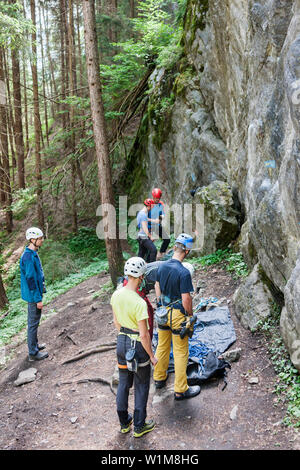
[160, 383]
[41, 346]
[148, 426]
[189, 393]
[38, 356]
[126, 427]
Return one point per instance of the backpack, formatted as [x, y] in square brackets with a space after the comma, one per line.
[212, 368]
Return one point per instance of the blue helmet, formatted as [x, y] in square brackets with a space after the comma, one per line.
[185, 240]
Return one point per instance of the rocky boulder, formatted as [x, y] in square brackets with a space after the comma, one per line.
[290, 316]
[221, 224]
[252, 300]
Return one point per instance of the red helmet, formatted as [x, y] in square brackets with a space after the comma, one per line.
[149, 202]
[156, 192]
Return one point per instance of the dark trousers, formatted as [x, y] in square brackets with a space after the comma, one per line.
[140, 380]
[166, 239]
[33, 321]
[147, 249]
[161, 233]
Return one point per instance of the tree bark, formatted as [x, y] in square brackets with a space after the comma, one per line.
[3, 297]
[25, 110]
[113, 247]
[25, 95]
[10, 117]
[4, 151]
[43, 78]
[132, 9]
[37, 127]
[72, 79]
[18, 126]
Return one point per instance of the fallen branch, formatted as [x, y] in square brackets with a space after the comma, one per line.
[92, 379]
[86, 353]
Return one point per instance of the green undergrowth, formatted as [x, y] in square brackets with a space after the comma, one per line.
[226, 259]
[287, 387]
[16, 318]
[66, 263]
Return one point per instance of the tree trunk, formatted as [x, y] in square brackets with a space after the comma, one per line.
[111, 7]
[37, 127]
[132, 9]
[18, 127]
[81, 72]
[113, 247]
[50, 60]
[10, 118]
[43, 78]
[72, 79]
[3, 298]
[25, 96]
[4, 150]
[25, 110]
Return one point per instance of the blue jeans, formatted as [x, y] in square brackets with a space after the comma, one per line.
[33, 321]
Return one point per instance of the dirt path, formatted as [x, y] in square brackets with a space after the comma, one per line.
[54, 412]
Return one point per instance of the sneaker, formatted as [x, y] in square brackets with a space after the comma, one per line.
[161, 383]
[41, 346]
[38, 356]
[148, 426]
[126, 427]
[189, 393]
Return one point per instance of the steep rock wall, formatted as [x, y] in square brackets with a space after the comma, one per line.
[235, 117]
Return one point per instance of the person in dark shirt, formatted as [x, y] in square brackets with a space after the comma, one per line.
[173, 288]
[155, 218]
[147, 249]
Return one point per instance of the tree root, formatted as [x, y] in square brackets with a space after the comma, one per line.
[88, 352]
[87, 380]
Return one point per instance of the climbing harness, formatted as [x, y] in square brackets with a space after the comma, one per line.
[132, 363]
[161, 313]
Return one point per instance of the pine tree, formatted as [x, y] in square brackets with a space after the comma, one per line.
[113, 247]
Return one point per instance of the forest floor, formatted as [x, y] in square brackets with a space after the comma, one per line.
[58, 411]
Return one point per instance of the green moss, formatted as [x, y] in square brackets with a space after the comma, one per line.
[195, 19]
[183, 79]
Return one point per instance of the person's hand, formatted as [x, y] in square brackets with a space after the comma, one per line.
[154, 360]
[39, 305]
[156, 221]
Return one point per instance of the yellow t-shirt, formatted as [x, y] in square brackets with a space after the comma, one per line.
[129, 309]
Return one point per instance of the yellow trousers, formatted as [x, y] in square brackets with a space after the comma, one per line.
[180, 353]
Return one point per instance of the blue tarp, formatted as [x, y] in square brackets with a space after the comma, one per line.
[213, 331]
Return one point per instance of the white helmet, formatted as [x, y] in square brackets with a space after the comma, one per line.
[135, 267]
[190, 267]
[33, 232]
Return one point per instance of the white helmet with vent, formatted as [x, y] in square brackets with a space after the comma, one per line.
[33, 232]
[135, 267]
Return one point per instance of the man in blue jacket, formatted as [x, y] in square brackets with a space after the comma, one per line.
[32, 290]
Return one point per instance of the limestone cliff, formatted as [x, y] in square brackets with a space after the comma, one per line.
[232, 114]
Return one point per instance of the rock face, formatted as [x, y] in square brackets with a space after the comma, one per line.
[252, 301]
[233, 116]
[221, 224]
[290, 316]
